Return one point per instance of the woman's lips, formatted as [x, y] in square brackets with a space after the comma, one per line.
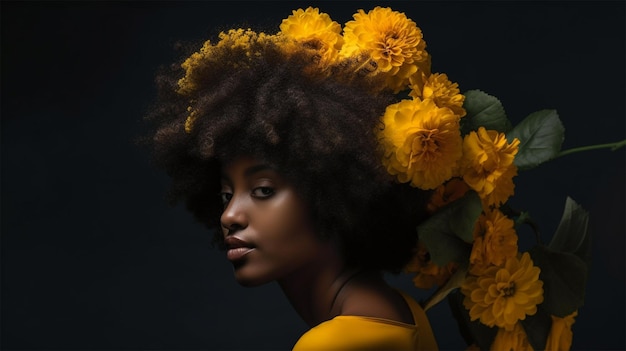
[238, 253]
[237, 248]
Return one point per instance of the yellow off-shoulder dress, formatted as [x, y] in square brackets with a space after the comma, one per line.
[352, 333]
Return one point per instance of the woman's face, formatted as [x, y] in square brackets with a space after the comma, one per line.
[266, 225]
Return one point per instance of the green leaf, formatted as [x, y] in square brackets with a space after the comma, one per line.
[451, 284]
[483, 110]
[541, 135]
[471, 331]
[572, 235]
[459, 217]
[443, 246]
[462, 215]
[448, 234]
[537, 328]
[564, 277]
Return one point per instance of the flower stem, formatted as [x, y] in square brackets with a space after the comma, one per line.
[613, 146]
[522, 218]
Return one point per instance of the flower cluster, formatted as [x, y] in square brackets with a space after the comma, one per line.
[462, 148]
[423, 144]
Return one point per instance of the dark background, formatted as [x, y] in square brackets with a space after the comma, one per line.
[94, 258]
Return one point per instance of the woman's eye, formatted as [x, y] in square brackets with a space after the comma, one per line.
[263, 192]
[225, 197]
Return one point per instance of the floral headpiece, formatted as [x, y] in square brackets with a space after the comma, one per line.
[464, 149]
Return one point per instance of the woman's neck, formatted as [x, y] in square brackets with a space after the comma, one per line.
[326, 289]
[313, 290]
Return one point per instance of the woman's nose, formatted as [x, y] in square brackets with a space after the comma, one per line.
[235, 216]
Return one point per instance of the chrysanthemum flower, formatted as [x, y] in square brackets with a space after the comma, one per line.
[495, 241]
[452, 190]
[511, 340]
[421, 142]
[392, 40]
[487, 165]
[560, 337]
[439, 88]
[427, 273]
[315, 30]
[504, 295]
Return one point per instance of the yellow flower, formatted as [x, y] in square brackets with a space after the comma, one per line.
[504, 295]
[393, 41]
[315, 30]
[419, 78]
[487, 165]
[495, 241]
[440, 89]
[560, 337]
[421, 142]
[428, 274]
[453, 189]
[511, 340]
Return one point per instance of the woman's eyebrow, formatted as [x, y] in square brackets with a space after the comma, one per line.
[256, 168]
[249, 171]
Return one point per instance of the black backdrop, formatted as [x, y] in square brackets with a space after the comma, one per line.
[93, 257]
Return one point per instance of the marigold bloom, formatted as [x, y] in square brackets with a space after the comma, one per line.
[428, 274]
[453, 189]
[421, 142]
[495, 241]
[511, 340]
[560, 337]
[504, 295]
[487, 165]
[392, 40]
[316, 30]
[440, 89]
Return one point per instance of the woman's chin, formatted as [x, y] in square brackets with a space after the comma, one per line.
[245, 277]
[249, 282]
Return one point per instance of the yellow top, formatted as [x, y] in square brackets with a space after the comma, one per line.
[351, 333]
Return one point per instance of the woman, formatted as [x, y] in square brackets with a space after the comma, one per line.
[275, 142]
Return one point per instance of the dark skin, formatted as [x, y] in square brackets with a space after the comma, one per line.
[268, 230]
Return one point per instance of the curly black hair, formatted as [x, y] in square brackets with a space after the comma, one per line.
[320, 133]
